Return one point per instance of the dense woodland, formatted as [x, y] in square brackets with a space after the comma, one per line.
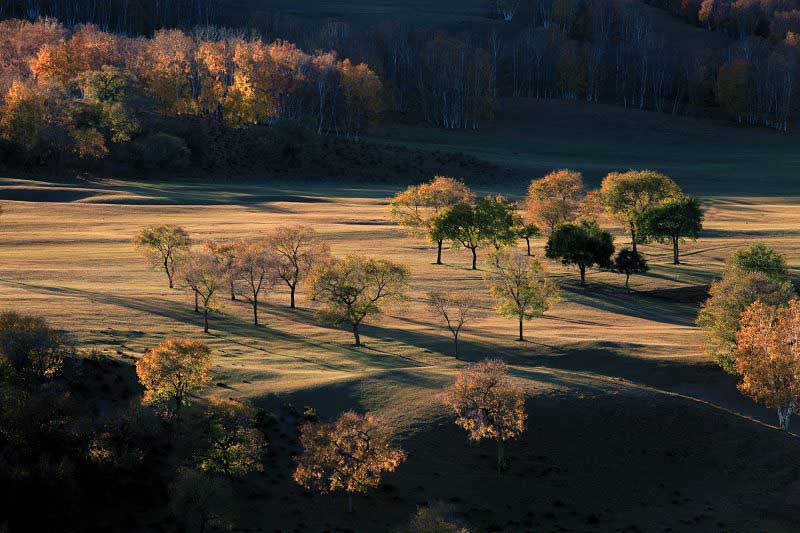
[591, 50]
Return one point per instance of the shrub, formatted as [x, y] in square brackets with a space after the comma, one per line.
[162, 151]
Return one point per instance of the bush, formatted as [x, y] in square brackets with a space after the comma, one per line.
[31, 346]
[162, 151]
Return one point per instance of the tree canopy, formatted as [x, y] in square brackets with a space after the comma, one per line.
[583, 244]
[672, 221]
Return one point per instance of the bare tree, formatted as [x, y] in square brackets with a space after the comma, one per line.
[456, 308]
[163, 246]
[297, 250]
[256, 268]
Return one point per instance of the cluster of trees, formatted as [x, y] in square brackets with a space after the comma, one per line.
[80, 91]
[752, 319]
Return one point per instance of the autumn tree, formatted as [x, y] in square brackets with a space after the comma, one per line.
[417, 207]
[673, 221]
[555, 198]
[349, 455]
[583, 244]
[456, 308]
[628, 195]
[31, 347]
[728, 298]
[297, 249]
[24, 115]
[629, 262]
[225, 252]
[174, 370]
[520, 288]
[235, 447]
[205, 275]
[164, 247]
[256, 265]
[487, 405]
[355, 288]
[768, 357]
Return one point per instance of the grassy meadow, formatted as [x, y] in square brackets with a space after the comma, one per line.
[630, 424]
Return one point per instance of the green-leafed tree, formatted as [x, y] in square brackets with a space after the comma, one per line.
[759, 258]
[628, 195]
[629, 262]
[673, 221]
[520, 288]
[583, 244]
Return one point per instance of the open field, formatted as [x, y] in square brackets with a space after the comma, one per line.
[631, 425]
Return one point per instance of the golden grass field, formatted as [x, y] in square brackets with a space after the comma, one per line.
[631, 425]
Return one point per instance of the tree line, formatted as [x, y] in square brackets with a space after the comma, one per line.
[80, 91]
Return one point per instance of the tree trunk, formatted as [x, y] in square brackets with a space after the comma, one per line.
[196, 303]
[455, 340]
[528, 241]
[582, 268]
[627, 282]
[439, 252]
[676, 260]
[784, 415]
[521, 336]
[233, 291]
[633, 236]
[205, 319]
[474, 259]
[169, 274]
[356, 336]
[255, 310]
[500, 457]
[291, 297]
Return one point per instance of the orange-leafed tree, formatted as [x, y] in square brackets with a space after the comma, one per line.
[23, 114]
[174, 370]
[487, 405]
[164, 247]
[768, 357]
[349, 455]
[297, 249]
[555, 198]
[416, 207]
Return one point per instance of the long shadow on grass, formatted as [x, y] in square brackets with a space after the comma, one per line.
[230, 328]
[613, 300]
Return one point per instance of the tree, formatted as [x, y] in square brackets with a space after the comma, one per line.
[438, 517]
[461, 225]
[355, 288]
[628, 195]
[492, 220]
[520, 288]
[234, 445]
[728, 299]
[32, 348]
[487, 405]
[163, 246]
[298, 250]
[768, 357]
[673, 220]
[173, 370]
[201, 500]
[629, 262]
[499, 220]
[225, 252]
[418, 206]
[256, 266]
[348, 455]
[205, 275]
[527, 231]
[555, 198]
[759, 258]
[583, 244]
[456, 308]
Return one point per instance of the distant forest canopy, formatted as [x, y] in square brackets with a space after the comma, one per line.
[590, 50]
